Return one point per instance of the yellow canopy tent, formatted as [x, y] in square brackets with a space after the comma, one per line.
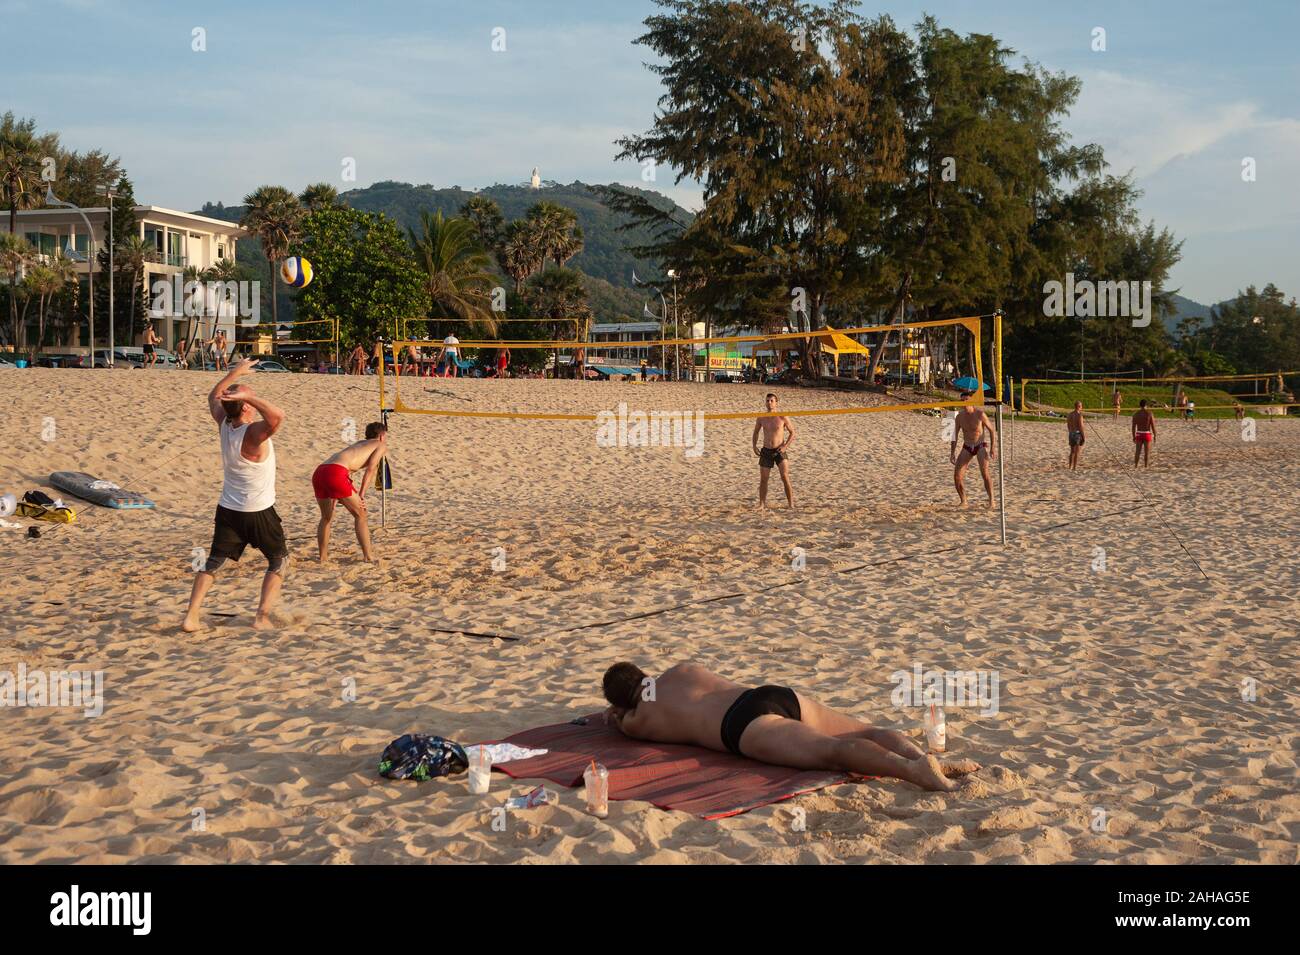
[835, 344]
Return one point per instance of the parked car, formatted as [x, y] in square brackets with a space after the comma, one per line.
[6, 363]
[266, 364]
[60, 360]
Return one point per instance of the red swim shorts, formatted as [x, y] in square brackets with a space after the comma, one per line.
[332, 482]
[1143, 437]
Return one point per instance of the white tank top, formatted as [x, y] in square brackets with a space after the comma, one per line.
[249, 485]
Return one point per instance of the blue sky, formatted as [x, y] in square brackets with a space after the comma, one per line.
[413, 91]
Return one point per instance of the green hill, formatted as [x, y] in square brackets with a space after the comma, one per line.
[603, 260]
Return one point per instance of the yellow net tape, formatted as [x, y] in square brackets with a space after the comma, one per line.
[972, 324]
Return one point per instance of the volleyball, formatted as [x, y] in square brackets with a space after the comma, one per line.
[296, 271]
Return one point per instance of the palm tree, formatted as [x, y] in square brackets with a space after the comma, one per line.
[15, 255]
[560, 295]
[129, 257]
[274, 215]
[318, 196]
[455, 270]
[487, 219]
[556, 232]
[44, 282]
[224, 272]
[20, 171]
[518, 252]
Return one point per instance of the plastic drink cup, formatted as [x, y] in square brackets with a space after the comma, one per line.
[596, 777]
[936, 729]
[480, 775]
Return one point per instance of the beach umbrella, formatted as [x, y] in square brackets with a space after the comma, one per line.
[968, 384]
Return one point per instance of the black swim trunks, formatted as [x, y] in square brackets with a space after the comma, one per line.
[1076, 439]
[235, 530]
[769, 457]
[750, 705]
[148, 349]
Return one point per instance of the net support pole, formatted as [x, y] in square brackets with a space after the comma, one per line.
[383, 485]
[1002, 494]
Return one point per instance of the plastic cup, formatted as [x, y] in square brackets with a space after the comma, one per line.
[480, 776]
[596, 777]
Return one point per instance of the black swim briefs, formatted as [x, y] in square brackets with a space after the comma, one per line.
[750, 705]
[769, 457]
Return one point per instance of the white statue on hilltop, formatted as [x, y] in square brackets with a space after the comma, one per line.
[536, 181]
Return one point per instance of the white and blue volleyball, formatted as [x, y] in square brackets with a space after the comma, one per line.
[296, 271]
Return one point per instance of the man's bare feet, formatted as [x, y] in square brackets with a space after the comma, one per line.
[191, 626]
[958, 767]
[263, 623]
[929, 775]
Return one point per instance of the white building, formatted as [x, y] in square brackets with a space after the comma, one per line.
[175, 239]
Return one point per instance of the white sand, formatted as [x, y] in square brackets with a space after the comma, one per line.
[1120, 690]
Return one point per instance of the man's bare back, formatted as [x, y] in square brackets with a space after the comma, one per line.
[690, 705]
[355, 456]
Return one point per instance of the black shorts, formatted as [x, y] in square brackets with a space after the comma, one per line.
[769, 457]
[1076, 439]
[750, 705]
[236, 530]
[148, 349]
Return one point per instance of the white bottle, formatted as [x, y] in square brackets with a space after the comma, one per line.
[936, 729]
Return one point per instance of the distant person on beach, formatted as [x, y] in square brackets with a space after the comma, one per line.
[771, 724]
[218, 345]
[977, 436]
[1117, 402]
[332, 482]
[1074, 422]
[1144, 433]
[644, 369]
[150, 340]
[774, 429]
[246, 511]
[357, 363]
[503, 362]
[1189, 412]
[450, 349]
[580, 364]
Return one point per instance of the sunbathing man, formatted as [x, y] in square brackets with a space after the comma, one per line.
[332, 482]
[772, 724]
[1074, 422]
[246, 512]
[978, 441]
[1144, 433]
[772, 454]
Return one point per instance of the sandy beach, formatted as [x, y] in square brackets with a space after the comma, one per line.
[1123, 619]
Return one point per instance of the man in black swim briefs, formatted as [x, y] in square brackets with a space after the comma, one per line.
[771, 724]
[774, 429]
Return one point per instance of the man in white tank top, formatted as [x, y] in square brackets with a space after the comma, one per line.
[246, 512]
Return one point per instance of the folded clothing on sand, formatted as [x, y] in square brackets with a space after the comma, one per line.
[705, 783]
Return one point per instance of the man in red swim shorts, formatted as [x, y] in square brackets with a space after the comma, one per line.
[332, 481]
[1144, 432]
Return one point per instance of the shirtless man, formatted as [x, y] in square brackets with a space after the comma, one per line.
[218, 344]
[1144, 433]
[150, 340]
[1074, 422]
[246, 512]
[978, 440]
[1118, 402]
[772, 454]
[771, 724]
[332, 481]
